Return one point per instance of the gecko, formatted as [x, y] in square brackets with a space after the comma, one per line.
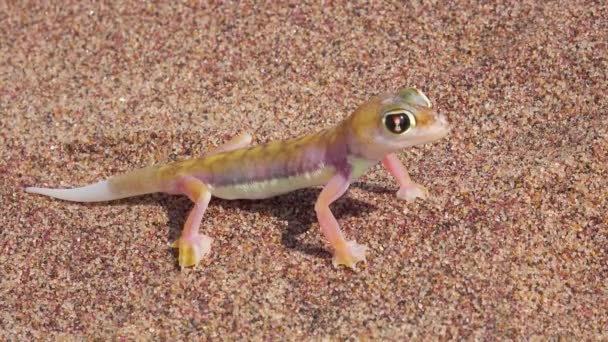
[332, 158]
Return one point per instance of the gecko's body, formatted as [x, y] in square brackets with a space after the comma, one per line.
[334, 157]
[271, 169]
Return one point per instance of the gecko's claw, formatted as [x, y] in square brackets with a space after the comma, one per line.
[350, 256]
[412, 191]
[192, 249]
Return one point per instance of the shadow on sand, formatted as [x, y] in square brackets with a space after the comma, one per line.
[295, 208]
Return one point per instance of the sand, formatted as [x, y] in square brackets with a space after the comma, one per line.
[512, 245]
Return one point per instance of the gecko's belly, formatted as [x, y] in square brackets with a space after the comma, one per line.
[272, 187]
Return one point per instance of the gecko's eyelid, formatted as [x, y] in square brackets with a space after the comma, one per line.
[415, 96]
[398, 121]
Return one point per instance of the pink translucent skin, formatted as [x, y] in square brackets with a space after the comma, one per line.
[396, 168]
[240, 141]
[192, 245]
[347, 253]
[408, 190]
[336, 187]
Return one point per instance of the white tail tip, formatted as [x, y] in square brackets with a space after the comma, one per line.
[97, 192]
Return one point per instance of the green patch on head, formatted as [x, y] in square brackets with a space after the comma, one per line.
[415, 97]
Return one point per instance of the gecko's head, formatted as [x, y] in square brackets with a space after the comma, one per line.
[393, 121]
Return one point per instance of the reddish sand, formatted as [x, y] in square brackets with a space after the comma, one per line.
[513, 244]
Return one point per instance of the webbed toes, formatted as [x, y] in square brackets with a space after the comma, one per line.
[350, 256]
[192, 249]
[412, 191]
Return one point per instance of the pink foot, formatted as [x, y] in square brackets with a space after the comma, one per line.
[192, 249]
[412, 191]
[352, 254]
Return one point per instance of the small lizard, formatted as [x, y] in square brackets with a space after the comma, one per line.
[333, 157]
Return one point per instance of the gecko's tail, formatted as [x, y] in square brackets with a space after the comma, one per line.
[97, 192]
[135, 183]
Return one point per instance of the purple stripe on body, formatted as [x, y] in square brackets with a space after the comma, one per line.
[280, 159]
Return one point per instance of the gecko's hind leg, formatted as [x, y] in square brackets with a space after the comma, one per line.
[193, 246]
[240, 141]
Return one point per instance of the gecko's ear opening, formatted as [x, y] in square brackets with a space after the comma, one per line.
[415, 97]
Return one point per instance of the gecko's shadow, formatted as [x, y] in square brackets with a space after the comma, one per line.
[372, 187]
[295, 208]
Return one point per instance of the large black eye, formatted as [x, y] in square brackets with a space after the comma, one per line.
[399, 122]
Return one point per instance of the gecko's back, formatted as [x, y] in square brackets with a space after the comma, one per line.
[269, 169]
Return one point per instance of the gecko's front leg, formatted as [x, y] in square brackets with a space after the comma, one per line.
[347, 253]
[193, 246]
[408, 190]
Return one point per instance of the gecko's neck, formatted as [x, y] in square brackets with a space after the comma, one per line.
[345, 152]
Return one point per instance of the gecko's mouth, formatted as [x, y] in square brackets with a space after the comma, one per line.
[435, 131]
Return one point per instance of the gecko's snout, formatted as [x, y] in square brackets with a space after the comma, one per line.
[440, 128]
[443, 122]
